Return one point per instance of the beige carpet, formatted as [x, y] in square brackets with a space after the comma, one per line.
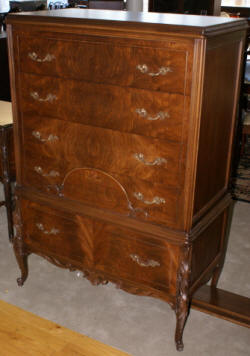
[140, 326]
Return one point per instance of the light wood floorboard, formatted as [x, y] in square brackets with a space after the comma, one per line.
[23, 333]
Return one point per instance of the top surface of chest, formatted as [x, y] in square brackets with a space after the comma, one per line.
[196, 25]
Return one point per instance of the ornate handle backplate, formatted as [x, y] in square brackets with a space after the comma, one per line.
[50, 138]
[157, 162]
[53, 231]
[40, 171]
[143, 68]
[155, 200]
[161, 115]
[34, 56]
[49, 98]
[143, 263]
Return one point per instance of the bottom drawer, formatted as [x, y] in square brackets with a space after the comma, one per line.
[97, 246]
[47, 231]
[137, 258]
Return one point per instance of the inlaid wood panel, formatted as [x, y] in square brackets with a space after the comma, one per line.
[141, 67]
[139, 111]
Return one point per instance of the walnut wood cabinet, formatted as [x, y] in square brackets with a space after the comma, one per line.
[123, 138]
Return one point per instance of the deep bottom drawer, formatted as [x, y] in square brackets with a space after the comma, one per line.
[44, 229]
[101, 247]
[138, 258]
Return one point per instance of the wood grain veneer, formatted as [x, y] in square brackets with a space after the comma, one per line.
[123, 137]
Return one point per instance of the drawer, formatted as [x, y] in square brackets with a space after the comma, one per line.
[134, 257]
[60, 146]
[133, 197]
[149, 113]
[160, 69]
[125, 195]
[98, 246]
[45, 230]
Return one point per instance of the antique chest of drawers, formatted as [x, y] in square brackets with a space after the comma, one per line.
[123, 140]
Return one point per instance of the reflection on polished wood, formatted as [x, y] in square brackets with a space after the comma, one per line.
[23, 333]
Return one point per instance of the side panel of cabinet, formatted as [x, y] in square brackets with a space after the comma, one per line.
[220, 94]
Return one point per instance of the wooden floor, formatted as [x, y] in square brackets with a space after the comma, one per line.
[23, 333]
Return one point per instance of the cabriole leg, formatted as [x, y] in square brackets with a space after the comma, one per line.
[19, 249]
[22, 260]
[182, 297]
[182, 311]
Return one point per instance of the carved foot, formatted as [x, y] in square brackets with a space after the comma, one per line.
[20, 281]
[179, 345]
[179, 331]
[22, 262]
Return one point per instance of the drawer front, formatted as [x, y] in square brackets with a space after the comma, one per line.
[133, 257]
[128, 196]
[139, 111]
[141, 67]
[46, 231]
[62, 146]
[98, 246]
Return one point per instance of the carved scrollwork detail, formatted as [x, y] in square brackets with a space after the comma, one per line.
[57, 262]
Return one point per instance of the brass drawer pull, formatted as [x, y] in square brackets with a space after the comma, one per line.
[161, 115]
[50, 138]
[50, 97]
[40, 171]
[157, 162]
[143, 68]
[53, 231]
[35, 58]
[140, 262]
[156, 200]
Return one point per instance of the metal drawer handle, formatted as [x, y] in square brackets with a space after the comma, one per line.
[143, 68]
[35, 58]
[40, 171]
[50, 138]
[140, 262]
[53, 231]
[157, 162]
[156, 200]
[50, 97]
[161, 115]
